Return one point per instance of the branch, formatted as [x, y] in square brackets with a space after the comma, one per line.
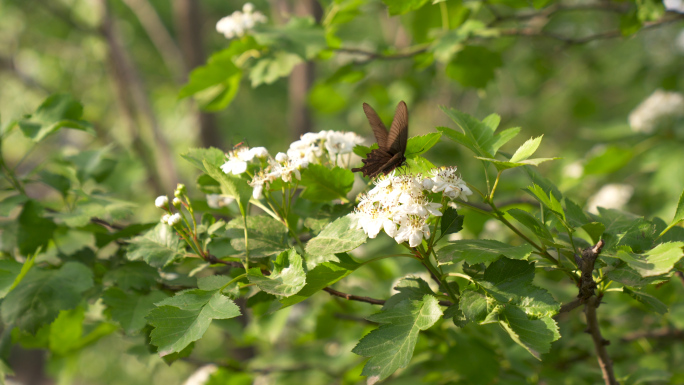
[599, 342]
[534, 32]
[565, 308]
[371, 55]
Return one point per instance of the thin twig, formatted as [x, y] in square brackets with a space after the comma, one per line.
[567, 307]
[663, 333]
[352, 297]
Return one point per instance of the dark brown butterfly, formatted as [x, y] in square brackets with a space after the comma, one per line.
[392, 145]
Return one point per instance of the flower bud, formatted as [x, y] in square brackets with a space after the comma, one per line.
[180, 189]
[165, 218]
[174, 219]
[281, 157]
[248, 8]
[176, 202]
[428, 184]
[162, 201]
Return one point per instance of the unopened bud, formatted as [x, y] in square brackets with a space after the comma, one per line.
[162, 201]
[177, 202]
[174, 219]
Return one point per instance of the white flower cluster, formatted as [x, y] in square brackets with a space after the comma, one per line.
[398, 204]
[238, 159]
[238, 22]
[660, 105]
[282, 167]
[312, 145]
[171, 219]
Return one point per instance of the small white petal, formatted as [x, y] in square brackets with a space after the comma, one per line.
[161, 201]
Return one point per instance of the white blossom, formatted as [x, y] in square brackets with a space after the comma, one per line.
[216, 201]
[162, 201]
[337, 143]
[281, 157]
[610, 196]
[240, 157]
[201, 375]
[260, 179]
[174, 219]
[165, 218]
[656, 108]
[398, 205]
[450, 184]
[259, 152]
[240, 22]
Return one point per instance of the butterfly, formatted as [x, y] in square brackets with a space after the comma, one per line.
[392, 145]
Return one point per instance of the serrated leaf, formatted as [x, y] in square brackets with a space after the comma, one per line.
[416, 165]
[42, 294]
[450, 222]
[526, 150]
[505, 165]
[574, 214]
[391, 345]
[595, 230]
[473, 305]
[535, 335]
[625, 229]
[629, 277]
[659, 260]
[652, 303]
[266, 236]
[475, 251]
[130, 309]
[408, 288]
[9, 270]
[338, 237]
[273, 67]
[158, 247]
[476, 135]
[231, 185]
[546, 185]
[532, 223]
[324, 184]
[510, 282]
[197, 156]
[56, 112]
[287, 276]
[678, 216]
[549, 200]
[321, 276]
[418, 145]
[180, 320]
[503, 137]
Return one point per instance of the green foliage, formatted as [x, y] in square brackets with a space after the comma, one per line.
[324, 184]
[287, 276]
[265, 236]
[158, 247]
[475, 251]
[57, 111]
[338, 237]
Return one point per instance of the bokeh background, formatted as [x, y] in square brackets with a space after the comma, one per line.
[573, 75]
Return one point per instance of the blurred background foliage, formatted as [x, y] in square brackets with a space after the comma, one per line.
[569, 70]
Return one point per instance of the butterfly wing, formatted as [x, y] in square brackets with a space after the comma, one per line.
[375, 162]
[379, 129]
[398, 134]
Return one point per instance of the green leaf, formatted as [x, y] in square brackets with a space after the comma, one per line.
[324, 184]
[532, 223]
[629, 277]
[510, 282]
[34, 231]
[60, 183]
[595, 230]
[418, 145]
[474, 66]
[158, 247]
[102, 239]
[9, 203]
[94, 164]
[408, 288]
[322, 276]
[527, 149]
[659, 260]
[266, 236]
[231, 185]
[325, 98]
[391, 345]
[130, 309]
[546, 185]
[338, 237]
[301, 36]
[417, 165]
[287, 276]
[535, 335]
[197, 156]
[549, 201]
[678, 217]
[477, 136]
[609, 161]
[473, 305]
[56, 112]
[574, 214]
[9, 270]
[273, 67]
[503, 137]
[184, 318]
[625, 229]
[450, 222]
[25, 267]
[652, 303]
[475, 251]
[40, 296]
[505, 165]
[132, 275]
[400, 7]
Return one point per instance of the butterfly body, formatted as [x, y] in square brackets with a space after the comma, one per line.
[390, 153]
